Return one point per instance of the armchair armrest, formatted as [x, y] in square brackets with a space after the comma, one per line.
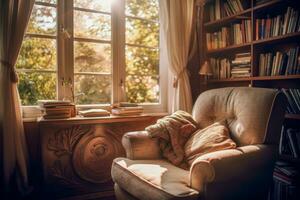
[139, 146]
[233, 168]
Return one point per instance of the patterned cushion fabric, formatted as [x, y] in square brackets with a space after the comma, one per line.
[152, 179]
[212, 138]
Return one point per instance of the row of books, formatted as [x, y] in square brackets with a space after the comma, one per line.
[290, 142]
[224, 68]
[293, 97]
[220, 8]
[278, 25]
[238, 33]
[220, 68]
[280, 63]
[285, 184]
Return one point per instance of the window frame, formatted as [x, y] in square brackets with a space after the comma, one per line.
[65, 57]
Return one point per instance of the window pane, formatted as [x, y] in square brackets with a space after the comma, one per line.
[35, 86]
[42, 20]
[142, 32]
[143, 61]
[37, 53]
[92, 57]
[92, 25]
[142, 89]
[147, 9]
[99, 5]
[92, 89]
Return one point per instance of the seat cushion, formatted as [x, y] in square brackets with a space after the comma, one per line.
[152, 179]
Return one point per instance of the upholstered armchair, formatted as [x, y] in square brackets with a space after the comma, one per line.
[254, 117]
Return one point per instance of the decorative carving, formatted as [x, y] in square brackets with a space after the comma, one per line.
[63, 141]
[63, 174]
[77, 157]
[94, 153]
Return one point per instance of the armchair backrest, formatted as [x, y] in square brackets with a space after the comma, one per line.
[253, 115]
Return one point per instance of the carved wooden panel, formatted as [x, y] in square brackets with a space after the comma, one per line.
[77, 158]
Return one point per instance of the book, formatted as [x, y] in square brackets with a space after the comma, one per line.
[291, 133]
[127, 110]
[94, 113]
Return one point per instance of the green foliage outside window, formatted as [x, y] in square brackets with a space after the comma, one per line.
[37, 62]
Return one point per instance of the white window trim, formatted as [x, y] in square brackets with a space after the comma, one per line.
[65, 58]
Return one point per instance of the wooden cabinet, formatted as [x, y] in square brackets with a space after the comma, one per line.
[77, 154]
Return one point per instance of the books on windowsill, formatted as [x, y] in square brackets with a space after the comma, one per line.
[126, 111]
[57, 109]
[94, 113]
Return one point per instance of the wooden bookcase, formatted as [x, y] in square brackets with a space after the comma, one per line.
[255, 47]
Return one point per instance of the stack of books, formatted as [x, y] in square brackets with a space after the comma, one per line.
[241, 65]
[57, 109]
[285, 178]
[280, 63]
[219, 8]
[220, 68]
[126, 109]
[238, 33]
[293, 97]
[278, 25]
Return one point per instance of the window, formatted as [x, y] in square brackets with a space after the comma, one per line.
[84, 50]
[142, 51]
[37, 62]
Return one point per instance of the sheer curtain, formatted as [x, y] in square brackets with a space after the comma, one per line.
[14, 18]
[177, 19]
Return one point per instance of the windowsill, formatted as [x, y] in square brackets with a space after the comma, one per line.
[34, 114]
[107, 119]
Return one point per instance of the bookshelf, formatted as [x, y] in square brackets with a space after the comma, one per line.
[274, 49]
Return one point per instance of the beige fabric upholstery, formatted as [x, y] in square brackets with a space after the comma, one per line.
[152, 179]
[235, 162]
[212, 138]
[254, 117]
[247, 111]
[122, 194]
[139, 145]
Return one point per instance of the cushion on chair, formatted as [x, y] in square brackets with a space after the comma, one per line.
[152, 179]
[212, 138]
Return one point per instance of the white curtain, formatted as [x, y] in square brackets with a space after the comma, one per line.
[177, 17]
[14, 17]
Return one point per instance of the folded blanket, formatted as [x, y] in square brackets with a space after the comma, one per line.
[173, 131]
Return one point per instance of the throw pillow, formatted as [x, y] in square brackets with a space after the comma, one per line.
[212, 138]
